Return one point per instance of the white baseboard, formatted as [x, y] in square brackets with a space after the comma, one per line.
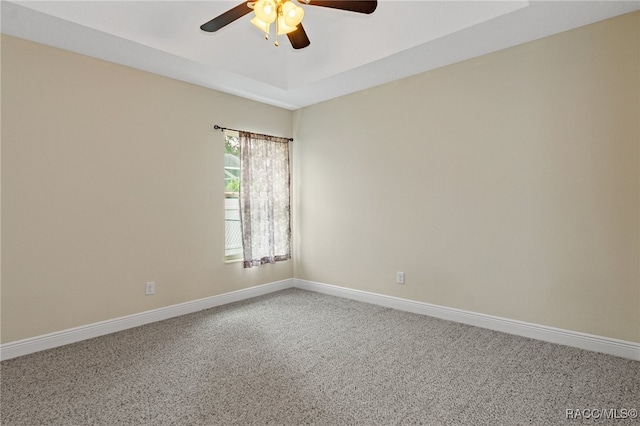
[621, 348]
[76, 334]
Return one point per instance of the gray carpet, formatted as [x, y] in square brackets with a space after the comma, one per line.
[297, 357]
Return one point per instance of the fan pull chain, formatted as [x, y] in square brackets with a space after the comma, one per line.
[279, 11]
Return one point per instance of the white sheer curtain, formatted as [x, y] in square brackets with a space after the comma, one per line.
[265, 211]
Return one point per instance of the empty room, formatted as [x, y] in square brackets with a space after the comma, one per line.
[323, 212]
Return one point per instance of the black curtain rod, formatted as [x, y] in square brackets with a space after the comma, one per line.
[226, 128]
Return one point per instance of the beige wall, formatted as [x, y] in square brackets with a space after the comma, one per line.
[508, 184]
[112, 177]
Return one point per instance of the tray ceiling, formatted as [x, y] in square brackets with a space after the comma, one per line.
[348, 51]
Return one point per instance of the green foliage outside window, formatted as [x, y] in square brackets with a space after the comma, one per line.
[232, 185]
[232, 146]
[232, 165]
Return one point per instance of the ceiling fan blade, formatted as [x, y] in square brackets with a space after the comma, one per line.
[298, 38]
[360, 6]
[226, 18]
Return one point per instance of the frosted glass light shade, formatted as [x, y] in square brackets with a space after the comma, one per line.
[292, 14]
[283, 28]
[263, 26]
[266, 11]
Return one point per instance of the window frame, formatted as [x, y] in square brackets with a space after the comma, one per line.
[237, 256]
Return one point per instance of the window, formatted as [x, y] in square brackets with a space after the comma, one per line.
[257, 201]
[232, 227]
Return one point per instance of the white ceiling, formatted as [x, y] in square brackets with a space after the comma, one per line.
[348, 51]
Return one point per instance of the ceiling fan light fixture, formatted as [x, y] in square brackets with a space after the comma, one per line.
[266, 10]
[282, 26]
[286, 14]
[292, 14]
[261, 25]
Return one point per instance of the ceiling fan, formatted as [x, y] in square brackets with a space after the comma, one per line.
[286, 15]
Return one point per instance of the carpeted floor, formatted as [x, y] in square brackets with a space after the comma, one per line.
[297, 357]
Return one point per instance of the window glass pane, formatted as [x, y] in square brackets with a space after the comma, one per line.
[232, 229]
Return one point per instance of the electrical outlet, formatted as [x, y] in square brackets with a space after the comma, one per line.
[400, 277]
[150, 288]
